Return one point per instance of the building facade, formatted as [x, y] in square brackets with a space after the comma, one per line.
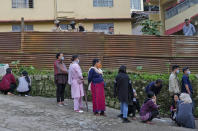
[174, 12]
[39, 15]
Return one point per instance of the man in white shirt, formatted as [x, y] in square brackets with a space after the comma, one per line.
[173, 80]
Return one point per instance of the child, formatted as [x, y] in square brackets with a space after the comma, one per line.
[24, 86]
[149, 109]
[135, 106]
[174, 107]
[123, 90]
[8, 83]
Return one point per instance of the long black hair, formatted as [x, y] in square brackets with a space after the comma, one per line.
[24, 73]
[74, 57]
[8, 70]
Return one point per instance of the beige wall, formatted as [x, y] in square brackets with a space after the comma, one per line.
[178, 19]
[120, 27]
[84, 9]
[43, 10]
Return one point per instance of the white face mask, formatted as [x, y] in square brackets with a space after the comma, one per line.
[188, 72]
[78, 61]
[177, 71]
[62, 58]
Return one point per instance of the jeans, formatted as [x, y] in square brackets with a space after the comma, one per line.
[124, 109]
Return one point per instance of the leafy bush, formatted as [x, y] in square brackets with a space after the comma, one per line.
[151, 27]
[43, 85]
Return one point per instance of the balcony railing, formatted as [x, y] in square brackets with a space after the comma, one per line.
[180, 8]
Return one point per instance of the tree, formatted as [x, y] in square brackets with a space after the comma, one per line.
[151, 27]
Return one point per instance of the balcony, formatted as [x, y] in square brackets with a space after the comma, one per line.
[179, 8]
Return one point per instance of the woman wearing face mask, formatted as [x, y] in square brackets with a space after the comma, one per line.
[75, 79]
[95, 78]
[60, 76]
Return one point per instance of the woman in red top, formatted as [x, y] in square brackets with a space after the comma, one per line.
[8, 83]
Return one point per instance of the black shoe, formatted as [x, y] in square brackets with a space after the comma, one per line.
[125, 120]
[120, 116]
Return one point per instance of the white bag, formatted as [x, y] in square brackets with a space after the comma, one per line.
[3, 68]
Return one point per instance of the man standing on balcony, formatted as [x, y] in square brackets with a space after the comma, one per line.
[188, 29]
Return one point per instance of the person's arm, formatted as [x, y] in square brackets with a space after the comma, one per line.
[186, 85]
[90, 75]
[78, 71]
[184, 30]
[171, 84]
[115, 87]
[13, 79]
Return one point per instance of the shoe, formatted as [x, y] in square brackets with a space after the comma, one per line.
[125, 120]
[103, 114]
[120, 116]
[26, 95]
[60, 105]
[79, 111]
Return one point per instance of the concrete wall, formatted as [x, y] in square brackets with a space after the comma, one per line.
[43, 10]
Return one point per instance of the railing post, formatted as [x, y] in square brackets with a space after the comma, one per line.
[22, 33]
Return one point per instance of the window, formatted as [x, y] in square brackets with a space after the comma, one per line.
[103, 3]
[137, 5]
[17, 28]
[22, 3]
[103, 27]
[64, 26]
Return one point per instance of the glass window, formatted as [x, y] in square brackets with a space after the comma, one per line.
[17, 28]
[136, 4]
[103, 3]
[102, 27]
[22, 3]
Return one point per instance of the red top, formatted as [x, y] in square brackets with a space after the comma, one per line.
[59, 68]
[7, 80]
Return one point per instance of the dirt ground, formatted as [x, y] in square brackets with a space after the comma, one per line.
[42, 114]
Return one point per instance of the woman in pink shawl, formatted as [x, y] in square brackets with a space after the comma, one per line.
[76, 81]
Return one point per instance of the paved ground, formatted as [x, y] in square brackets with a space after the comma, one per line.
[42, 114]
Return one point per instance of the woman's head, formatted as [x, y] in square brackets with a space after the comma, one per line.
[122, 69]
[24, 73]
[185, 98]
[150, 95]
[75, 58]
[59, 56]
[8, 70]
[96, 63]
[176, 97]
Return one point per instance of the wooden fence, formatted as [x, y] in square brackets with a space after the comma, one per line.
[154, 54]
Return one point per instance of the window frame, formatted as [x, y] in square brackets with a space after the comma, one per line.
[25, 27]
[103, 3]
[22, 4]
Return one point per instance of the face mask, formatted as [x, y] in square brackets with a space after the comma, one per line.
[177, 71]
[62, 58]
[78, 61]
[188, 72]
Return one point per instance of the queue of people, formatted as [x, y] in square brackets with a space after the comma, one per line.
[182, 107]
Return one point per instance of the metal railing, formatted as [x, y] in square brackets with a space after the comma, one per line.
[180, 8]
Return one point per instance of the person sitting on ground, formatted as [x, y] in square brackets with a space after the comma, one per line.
[135, 106]
[149, 109]
[24, 86]
[173, 108]
[123, 89]
[154, 86]
[184, 116]
[8, 83]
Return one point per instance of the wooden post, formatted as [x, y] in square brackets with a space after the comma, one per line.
[22, 24]
[22, 32]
